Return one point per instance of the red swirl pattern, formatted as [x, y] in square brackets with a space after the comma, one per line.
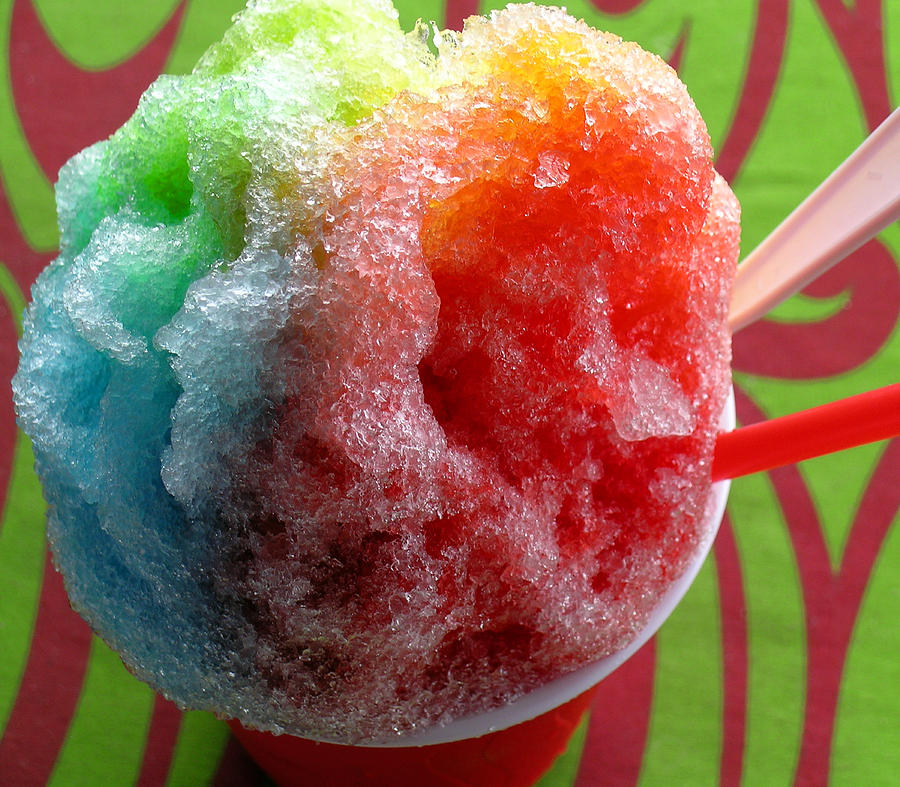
[62, 114]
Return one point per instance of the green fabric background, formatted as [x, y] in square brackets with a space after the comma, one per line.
[825, 98]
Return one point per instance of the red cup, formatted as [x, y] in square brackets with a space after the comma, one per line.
[513, 757]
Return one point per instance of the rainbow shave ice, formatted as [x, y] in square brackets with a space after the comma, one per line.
[373, 387]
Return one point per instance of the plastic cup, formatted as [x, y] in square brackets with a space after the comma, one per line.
[513, 757]
[511, 746]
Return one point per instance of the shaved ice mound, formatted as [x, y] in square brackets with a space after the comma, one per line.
[371, 387]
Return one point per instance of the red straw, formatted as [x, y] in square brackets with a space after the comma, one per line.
[857, 420]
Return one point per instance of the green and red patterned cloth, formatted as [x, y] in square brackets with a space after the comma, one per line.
[780, 666]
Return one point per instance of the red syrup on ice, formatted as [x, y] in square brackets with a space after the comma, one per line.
[493, 453]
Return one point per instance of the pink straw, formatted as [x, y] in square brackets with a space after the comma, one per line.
[860, 198]
[865, 418]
